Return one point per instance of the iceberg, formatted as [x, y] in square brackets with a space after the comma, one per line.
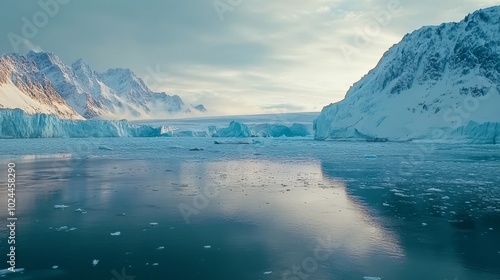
[240, 130]
[235, 129]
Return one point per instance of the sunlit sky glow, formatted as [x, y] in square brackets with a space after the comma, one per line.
[255, 57]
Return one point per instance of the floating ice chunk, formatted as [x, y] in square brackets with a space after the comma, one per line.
[7, 271]
[55, 267]
[372, 278]
[490, 228]
[385, 204]
[267, 272]
[424, 224]
[434, 190]
[79, 210]
[60, 206]
[62, 228]
[73, 228]
[160, 248]
[153, 224]
[445, 197]
[115, 233]
[95, 262]
[207, 246]
[155, 264]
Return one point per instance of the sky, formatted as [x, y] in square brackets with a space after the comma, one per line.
[233, 56]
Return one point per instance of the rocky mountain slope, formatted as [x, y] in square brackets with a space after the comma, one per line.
[23, 86]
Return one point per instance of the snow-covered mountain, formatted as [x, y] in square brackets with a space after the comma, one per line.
[115, 94]
[439, 82]
[23, 86]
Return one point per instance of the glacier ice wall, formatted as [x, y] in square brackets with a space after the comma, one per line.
[17, 124]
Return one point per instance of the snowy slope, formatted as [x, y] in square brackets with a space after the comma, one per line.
[440, 82]
[23, 86]
[115, 94]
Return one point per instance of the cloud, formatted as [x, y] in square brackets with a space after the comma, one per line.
[285, 107]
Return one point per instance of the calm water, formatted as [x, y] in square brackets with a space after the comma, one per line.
[297, 208]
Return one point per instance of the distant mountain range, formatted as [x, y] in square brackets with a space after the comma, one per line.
[439, 82]
[40, 82]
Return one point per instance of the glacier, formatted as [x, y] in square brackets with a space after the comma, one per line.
[15, 123]
[439, 83]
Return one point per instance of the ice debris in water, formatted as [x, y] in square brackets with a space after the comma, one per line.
[207, 246]
[160, 248]
[60, 206]
[153, 224]
[7, 271]
[372, 278]
[95, 262]
[115, 233]
[79, 210]
[55, 267]
[371, 156]
[434, 190]
[267, 272]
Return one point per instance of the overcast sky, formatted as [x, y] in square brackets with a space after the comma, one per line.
[234, 56]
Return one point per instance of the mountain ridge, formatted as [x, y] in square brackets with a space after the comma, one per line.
[115, 94]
